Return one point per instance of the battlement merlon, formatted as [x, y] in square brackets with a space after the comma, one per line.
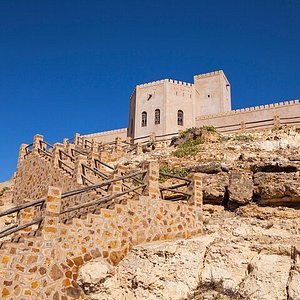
[164, 81]
[210, 74]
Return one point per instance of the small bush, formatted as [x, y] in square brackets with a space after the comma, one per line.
[189, 147]
[184, 133]
[242, 138]
[3, 190]
[209, 128]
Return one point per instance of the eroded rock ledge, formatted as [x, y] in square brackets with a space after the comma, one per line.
[250, 254]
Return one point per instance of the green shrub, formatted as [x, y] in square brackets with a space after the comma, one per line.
[3, 190]
[189, 147]
[184, 133]
[165, 168]
[242, 138]
[209, 128]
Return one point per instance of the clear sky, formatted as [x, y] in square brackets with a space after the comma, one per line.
[69, 66]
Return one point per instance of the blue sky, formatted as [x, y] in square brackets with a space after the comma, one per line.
[69, 66]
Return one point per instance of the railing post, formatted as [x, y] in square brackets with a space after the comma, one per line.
[116, 187]
[76, 138]
[66, 144]
[195, 189]
[151, 180]
[79, 160]
[139, 149]
[94, 146]
[26, 215]
[276, 121]
[55, 154]
[22, 153]
[152, 137]
[118, 145]
[243, 126]
[36, 143]
[53, 203]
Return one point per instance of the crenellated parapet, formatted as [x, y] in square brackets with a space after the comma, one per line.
[289, 103]
[153, 83]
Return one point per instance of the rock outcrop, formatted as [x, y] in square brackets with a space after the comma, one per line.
[250, 254]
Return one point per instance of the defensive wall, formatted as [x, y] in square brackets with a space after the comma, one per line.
[244, 119]
[107, 136]
[253, 118]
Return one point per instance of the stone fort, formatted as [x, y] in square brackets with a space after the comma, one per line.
[167, 106]
[76, 201]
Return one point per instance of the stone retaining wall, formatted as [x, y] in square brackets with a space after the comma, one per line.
[47, 267]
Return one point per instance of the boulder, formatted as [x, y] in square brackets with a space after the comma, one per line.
[92, 275]
[240, 189]
[214, 187]
[266, 279]
[277, 188]
[277, 167]
[209, 168]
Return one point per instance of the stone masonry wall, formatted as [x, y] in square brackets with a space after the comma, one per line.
[47, 267]
[35, 174]
[253, 117]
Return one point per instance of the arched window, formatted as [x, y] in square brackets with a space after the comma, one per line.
[144, 119]
[157, 116]
[180, 117]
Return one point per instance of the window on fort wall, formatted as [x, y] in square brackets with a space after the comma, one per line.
[157, 116]
[144, 119]
[180, 117]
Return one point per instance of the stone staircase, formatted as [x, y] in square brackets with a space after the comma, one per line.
[46, 266]
[103, 216]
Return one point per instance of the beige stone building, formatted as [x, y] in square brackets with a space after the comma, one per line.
[166, 106]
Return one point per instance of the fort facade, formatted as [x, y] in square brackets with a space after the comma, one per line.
[168, 106]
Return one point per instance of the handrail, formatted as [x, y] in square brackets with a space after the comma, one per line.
[174, 176]
[96, 186]
[260, 121]
[9, 228]
[141, 137]
[104, 164]
[20, 227]
[61, 162]
[94, 170]
[101, 200]
[75, 150]
[177, 192]
[22, 206]
[46, 143]
[85, 179]
[173, 186]
[288, 118]
[66, 154]
[28, 146]
[45, 152]
[163, 135]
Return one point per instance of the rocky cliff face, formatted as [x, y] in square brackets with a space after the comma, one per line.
[251, 245]
[252, 253]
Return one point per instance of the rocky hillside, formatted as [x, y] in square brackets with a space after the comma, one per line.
[250, 248]
[252, 253]
[251, 244]
[260, 167]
